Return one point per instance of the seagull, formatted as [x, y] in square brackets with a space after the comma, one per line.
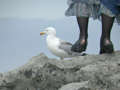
[59, 47]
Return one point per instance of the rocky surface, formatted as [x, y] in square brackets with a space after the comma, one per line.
[90, 72]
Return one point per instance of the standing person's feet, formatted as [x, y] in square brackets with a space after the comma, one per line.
[79, 46]
[106, 46]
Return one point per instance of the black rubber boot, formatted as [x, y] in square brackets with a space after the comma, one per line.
[81, 44]
[106, 45]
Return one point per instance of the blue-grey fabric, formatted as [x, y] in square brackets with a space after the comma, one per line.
[113, 5]
[92, 8]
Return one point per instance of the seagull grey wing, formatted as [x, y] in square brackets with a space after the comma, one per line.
[66, 46]
[64, 42]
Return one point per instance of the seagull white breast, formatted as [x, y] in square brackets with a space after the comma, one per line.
[53, 44]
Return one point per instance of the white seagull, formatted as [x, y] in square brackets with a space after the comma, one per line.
[57, 46]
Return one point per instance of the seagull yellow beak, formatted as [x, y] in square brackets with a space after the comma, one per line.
[42, 33]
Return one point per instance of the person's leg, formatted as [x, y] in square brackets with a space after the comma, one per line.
[106, 45]
[81, 43]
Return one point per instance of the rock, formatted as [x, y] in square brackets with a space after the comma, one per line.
[91, 72]
[76, 86]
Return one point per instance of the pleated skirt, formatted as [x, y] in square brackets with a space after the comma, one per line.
[89, 8]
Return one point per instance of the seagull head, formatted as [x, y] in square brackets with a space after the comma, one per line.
[49, 31]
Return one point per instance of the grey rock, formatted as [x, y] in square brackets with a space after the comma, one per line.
[76, 86]
[90, 72]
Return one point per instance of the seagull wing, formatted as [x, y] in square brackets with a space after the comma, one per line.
[66, 46]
